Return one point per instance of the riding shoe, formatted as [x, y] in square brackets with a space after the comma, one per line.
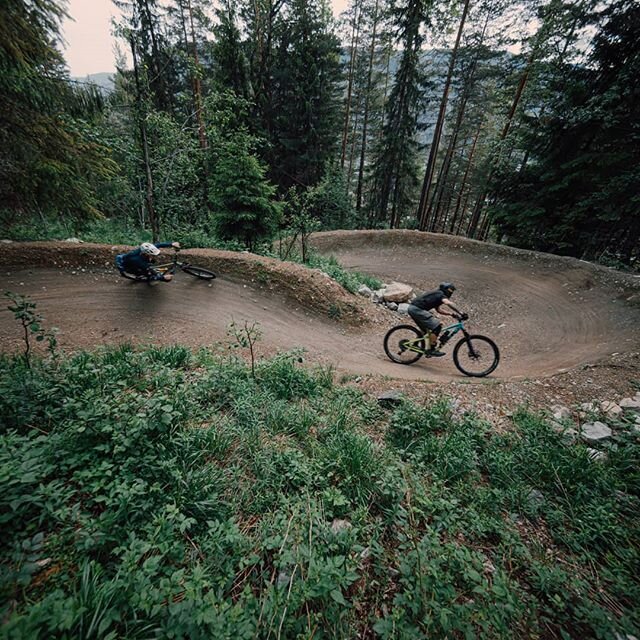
[434, 353]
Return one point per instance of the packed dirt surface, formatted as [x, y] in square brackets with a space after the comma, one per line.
[550, 316]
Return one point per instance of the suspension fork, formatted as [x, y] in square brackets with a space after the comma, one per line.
[472, 353]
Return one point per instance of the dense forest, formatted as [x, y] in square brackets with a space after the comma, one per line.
[229, 122]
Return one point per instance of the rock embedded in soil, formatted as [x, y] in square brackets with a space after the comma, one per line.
[403, 308]
[397, 292]
[610, 408]
[390, 398]
[363, 290]
[560, 412]
[630, 405]
[594, 432]
[338, 526]
[595, 454]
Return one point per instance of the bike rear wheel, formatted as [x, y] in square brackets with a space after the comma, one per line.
[396, 340]
[198, 272]
[476, 356]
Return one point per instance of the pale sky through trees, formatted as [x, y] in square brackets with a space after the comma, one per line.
[90, 45]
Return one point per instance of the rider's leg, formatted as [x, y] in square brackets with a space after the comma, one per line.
[429, 325]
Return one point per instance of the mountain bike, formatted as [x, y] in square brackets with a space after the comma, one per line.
[172, 267]
[474, 355]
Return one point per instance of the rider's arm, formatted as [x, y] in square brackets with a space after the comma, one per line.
[448, 303]
[163, 245]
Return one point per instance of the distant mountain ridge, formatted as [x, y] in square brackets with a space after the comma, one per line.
[104, 80]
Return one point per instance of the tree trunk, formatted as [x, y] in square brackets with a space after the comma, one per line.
[464, 181]
[355, 34]
[365, 122]
[434, 205]
[196, 84]
[153, 219]
[433, 151]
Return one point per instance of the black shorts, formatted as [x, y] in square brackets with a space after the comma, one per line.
[424, 319]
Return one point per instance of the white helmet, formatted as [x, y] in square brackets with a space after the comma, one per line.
[149, 249]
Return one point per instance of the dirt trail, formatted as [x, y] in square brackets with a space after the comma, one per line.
[545, 318]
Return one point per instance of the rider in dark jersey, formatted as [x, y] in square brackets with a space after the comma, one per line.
[420, 311]
[139, 262]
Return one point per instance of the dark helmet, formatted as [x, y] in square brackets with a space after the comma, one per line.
[447, 288]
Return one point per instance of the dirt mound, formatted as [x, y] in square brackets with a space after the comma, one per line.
[580, 273]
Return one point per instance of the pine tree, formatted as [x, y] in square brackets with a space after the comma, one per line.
[242, 199]
[395, 163]
[49, 160]
[304, 128]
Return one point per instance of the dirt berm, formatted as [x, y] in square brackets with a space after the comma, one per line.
[308, 288]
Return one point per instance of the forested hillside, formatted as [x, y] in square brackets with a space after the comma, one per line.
[230, 122]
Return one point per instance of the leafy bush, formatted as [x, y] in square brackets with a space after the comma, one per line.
[161, 492]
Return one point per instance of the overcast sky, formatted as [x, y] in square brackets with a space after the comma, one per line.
[88, 35]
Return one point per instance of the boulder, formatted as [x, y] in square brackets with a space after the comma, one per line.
[397, 292]
[594, 432]
[363, 290]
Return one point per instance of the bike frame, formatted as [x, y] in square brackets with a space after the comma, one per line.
[450, 331]
[170, 267]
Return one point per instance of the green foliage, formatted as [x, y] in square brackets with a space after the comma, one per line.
[350, 280]
[24, 310]
[243, 201]
[50, 158]
[577, 190]
[329, 202]
[172, 493]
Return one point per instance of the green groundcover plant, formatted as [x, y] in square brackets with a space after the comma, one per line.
[165, 493]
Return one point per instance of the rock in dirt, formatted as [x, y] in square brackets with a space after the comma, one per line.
[397, 292]
[390, 398]
[630, 405]
[337, 526]
[594, 454]
[363, 290]
[611, 408]
[403, 308]
[594, 432]
[73, 240]
[560, 412]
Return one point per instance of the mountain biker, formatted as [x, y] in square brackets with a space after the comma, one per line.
[420, 311]
[139, 261]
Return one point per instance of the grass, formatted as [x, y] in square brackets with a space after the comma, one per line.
[165, 493]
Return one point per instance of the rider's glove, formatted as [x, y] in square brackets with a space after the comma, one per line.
[464, 316]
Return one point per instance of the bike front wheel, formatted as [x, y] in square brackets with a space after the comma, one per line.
[198, 272]
[404, 344]
[476, 356]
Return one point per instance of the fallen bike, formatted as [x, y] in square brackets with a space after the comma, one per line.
[474, 355]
